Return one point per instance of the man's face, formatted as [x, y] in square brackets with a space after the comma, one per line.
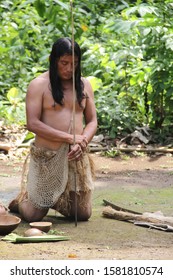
[65, 66]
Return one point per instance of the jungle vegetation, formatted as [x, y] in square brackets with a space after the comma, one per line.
[127, 51]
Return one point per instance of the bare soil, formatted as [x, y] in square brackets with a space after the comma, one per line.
[142, 183]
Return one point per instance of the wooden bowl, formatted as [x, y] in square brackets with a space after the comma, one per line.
[8, 223]
[43, 226]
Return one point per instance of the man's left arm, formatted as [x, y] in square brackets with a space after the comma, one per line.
[90, 127]
[90, 114]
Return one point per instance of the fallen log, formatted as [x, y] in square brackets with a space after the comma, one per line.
[109, 212]
[133, 149]
[98, 149]
[145, 150]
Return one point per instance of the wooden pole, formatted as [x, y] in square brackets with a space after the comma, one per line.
[74, 102]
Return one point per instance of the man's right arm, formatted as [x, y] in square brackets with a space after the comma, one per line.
[34, 101]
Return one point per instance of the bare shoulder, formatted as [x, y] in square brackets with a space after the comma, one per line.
[87, 87]
[39, 84]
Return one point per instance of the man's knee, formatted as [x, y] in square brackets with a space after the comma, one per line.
[84, 208]
[31, 214]
[84, 214]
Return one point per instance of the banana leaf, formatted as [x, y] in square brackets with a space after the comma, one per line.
[15, 238]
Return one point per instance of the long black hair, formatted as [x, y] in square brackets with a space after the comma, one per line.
[62, 47]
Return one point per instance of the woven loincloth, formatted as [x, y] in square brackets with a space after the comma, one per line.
[80, 174]
[51, 176]
[47, 176]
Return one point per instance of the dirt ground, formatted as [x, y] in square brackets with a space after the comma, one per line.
[141, 183]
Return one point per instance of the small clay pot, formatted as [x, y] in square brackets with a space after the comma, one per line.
[43, 226]
[8, 223]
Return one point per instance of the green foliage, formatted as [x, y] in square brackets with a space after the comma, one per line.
[12, 108]
[112, 153]
[127, 51]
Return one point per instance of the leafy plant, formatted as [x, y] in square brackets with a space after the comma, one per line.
[13, 106]
[126, 48]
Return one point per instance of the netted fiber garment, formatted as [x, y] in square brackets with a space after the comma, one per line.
[48, 175]
[81, 175]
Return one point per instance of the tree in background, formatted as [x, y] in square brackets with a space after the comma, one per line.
[127, 52]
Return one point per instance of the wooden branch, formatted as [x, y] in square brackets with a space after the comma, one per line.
[109, 212]
[146, 150]
[24, 145]
[133, 149]
[98, 149]
[107, 203]
[5, 147]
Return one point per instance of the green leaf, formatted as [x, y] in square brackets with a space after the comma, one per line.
[124, 26]
[12, 94]
[15, 238]
[28, 136]
[96, 83]
[40, 7]
[63, 5]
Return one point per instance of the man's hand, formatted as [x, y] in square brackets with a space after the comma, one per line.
[75, 152]
[81, 140]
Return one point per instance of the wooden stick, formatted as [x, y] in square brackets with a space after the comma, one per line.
[74, 103]
[134, 149]
[107, 203]
[146, 150]
[5, 147]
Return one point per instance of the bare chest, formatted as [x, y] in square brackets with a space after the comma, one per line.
[69, 102]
